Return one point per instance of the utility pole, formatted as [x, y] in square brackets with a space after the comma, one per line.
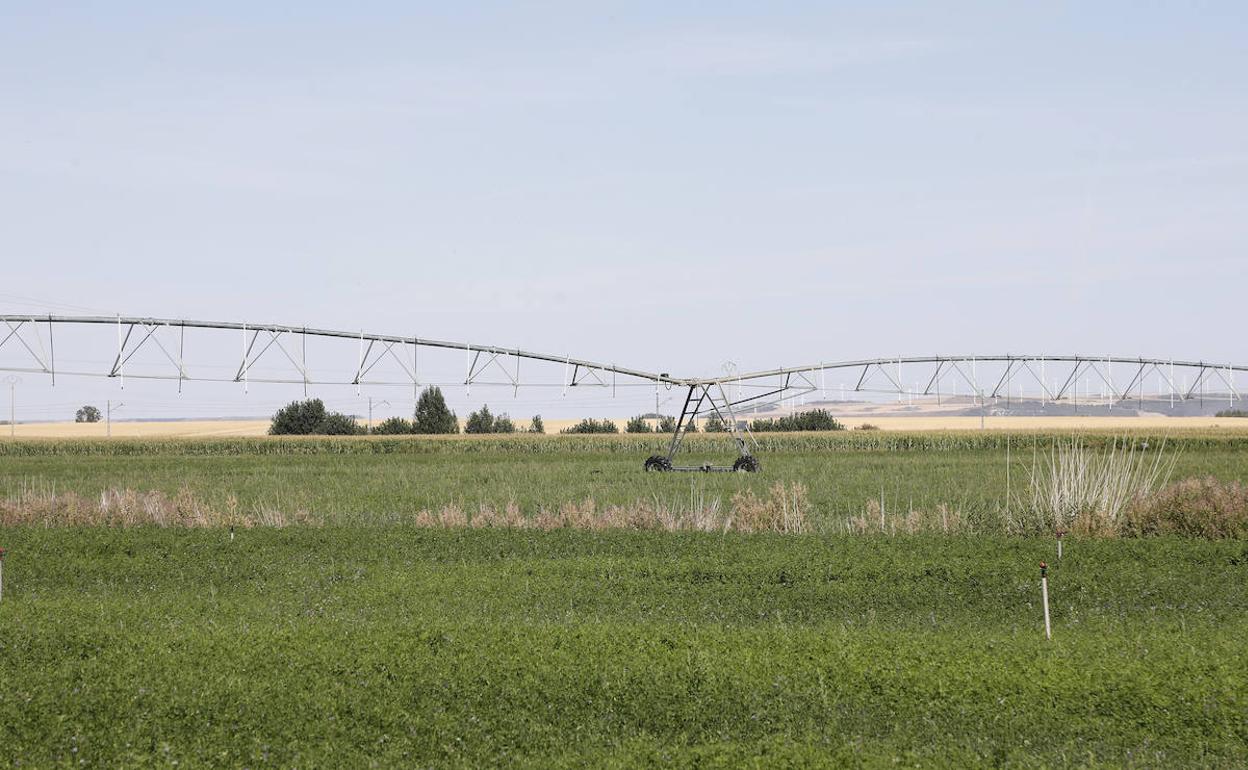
[370, 411]
[109, 418]
[13, 380]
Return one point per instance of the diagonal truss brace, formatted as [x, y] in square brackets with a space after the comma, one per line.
[148, 331]
[484, 360]
[45, 358]
[582, 375]
[274, 340]
[385, 348]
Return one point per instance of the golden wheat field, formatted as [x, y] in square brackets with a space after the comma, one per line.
[171, 429]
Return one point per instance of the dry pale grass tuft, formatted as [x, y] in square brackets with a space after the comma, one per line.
[876, 521]
[44, 506]
[783, 509]
[1202, 507]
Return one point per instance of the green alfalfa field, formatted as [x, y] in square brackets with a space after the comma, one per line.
[335, 627]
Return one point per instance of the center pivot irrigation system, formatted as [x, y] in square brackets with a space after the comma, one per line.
[1051, 379]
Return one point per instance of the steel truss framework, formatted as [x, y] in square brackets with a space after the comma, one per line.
[714, 396]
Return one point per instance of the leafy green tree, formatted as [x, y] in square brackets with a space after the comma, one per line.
[638, 424]
[715, 424]
[394, 426]
[432, 414]
[667, 424]
[503, 424]
[338, 424]
[691, 426]
[480, 421]
[298, 418]
[536, 425]
[810, 420]
[590, 425]
[307, 418]
[87, 414]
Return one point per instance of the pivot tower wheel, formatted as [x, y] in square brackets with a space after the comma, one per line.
[658, 464]
[746, 464]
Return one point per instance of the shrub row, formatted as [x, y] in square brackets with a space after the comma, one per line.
[841, 441]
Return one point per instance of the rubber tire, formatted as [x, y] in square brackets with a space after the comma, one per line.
[658, 463]
[746, 464]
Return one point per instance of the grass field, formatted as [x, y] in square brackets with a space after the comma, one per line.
[366, 641]
[374, 480]
[341, 646]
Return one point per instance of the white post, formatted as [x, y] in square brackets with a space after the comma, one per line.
[1044, 593]
[1060, 532]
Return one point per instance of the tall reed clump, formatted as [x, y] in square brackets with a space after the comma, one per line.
[1079, 489]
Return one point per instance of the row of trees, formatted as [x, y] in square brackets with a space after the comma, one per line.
[812, 419]
[482, 421]
[590, 425]
[639, 424]
[665, 424]
[433, 416]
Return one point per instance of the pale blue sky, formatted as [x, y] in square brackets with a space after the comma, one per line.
[666, 185]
